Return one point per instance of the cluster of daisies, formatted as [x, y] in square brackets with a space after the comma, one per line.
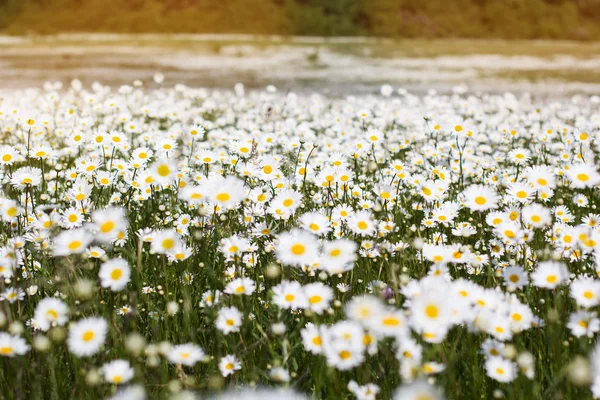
[182, 242]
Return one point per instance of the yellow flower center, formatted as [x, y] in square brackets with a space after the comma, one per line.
[88, 335]
[223, 197]
[107, 227]
[391, 321]
[164, 170]
[116, 274]
[74, 245]
[480, 200]
[583, 177]
[298, 249]
[6, 351]
[432, 311]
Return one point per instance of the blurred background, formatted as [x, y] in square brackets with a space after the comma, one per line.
[509, 19]
[340, 45]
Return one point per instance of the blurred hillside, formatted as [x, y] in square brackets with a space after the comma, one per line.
[511, 19]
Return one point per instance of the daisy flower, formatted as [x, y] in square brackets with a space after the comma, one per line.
[500, 369]
[316, 223]
[361, 223]
[164, 241]
[549, 274]
[240, 286]
[12, 295]
[229, 364]
[430, 312]
[338, 255]
[51, 312]
[11, 346]
[585, 292]
[343, 355]
[8, 155]
[536, 215]
[388, 322]
[363, 308]
[86, 336]
[229, 320]
[9, 210]
[297, 247]
[285, 203]
[163, 172]
[26, 177]
[74, 241]
[186, 354]
[114, 274]
[583, 175]
[515, 278]
[583, 323]
[117, 372]
[318, 296]
[108, 223]
[225, 192]
[480, 198]
[520, 192]
[289, 295]
[312, 338]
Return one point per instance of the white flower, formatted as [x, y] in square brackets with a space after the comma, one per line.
[500, 369]
[186, 354]
[72, 242]
[583, 175]
[108, 223]
[117, 372]
[229, 364]
[480, 198]
[51, 312]
[549, 274]
[86, 336]
[297, 247]
[229, 320]
[11, 346]
[114, 274]
[289, 294]
[240, 286]
[318, 296]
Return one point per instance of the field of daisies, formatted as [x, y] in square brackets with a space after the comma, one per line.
[181, 243]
